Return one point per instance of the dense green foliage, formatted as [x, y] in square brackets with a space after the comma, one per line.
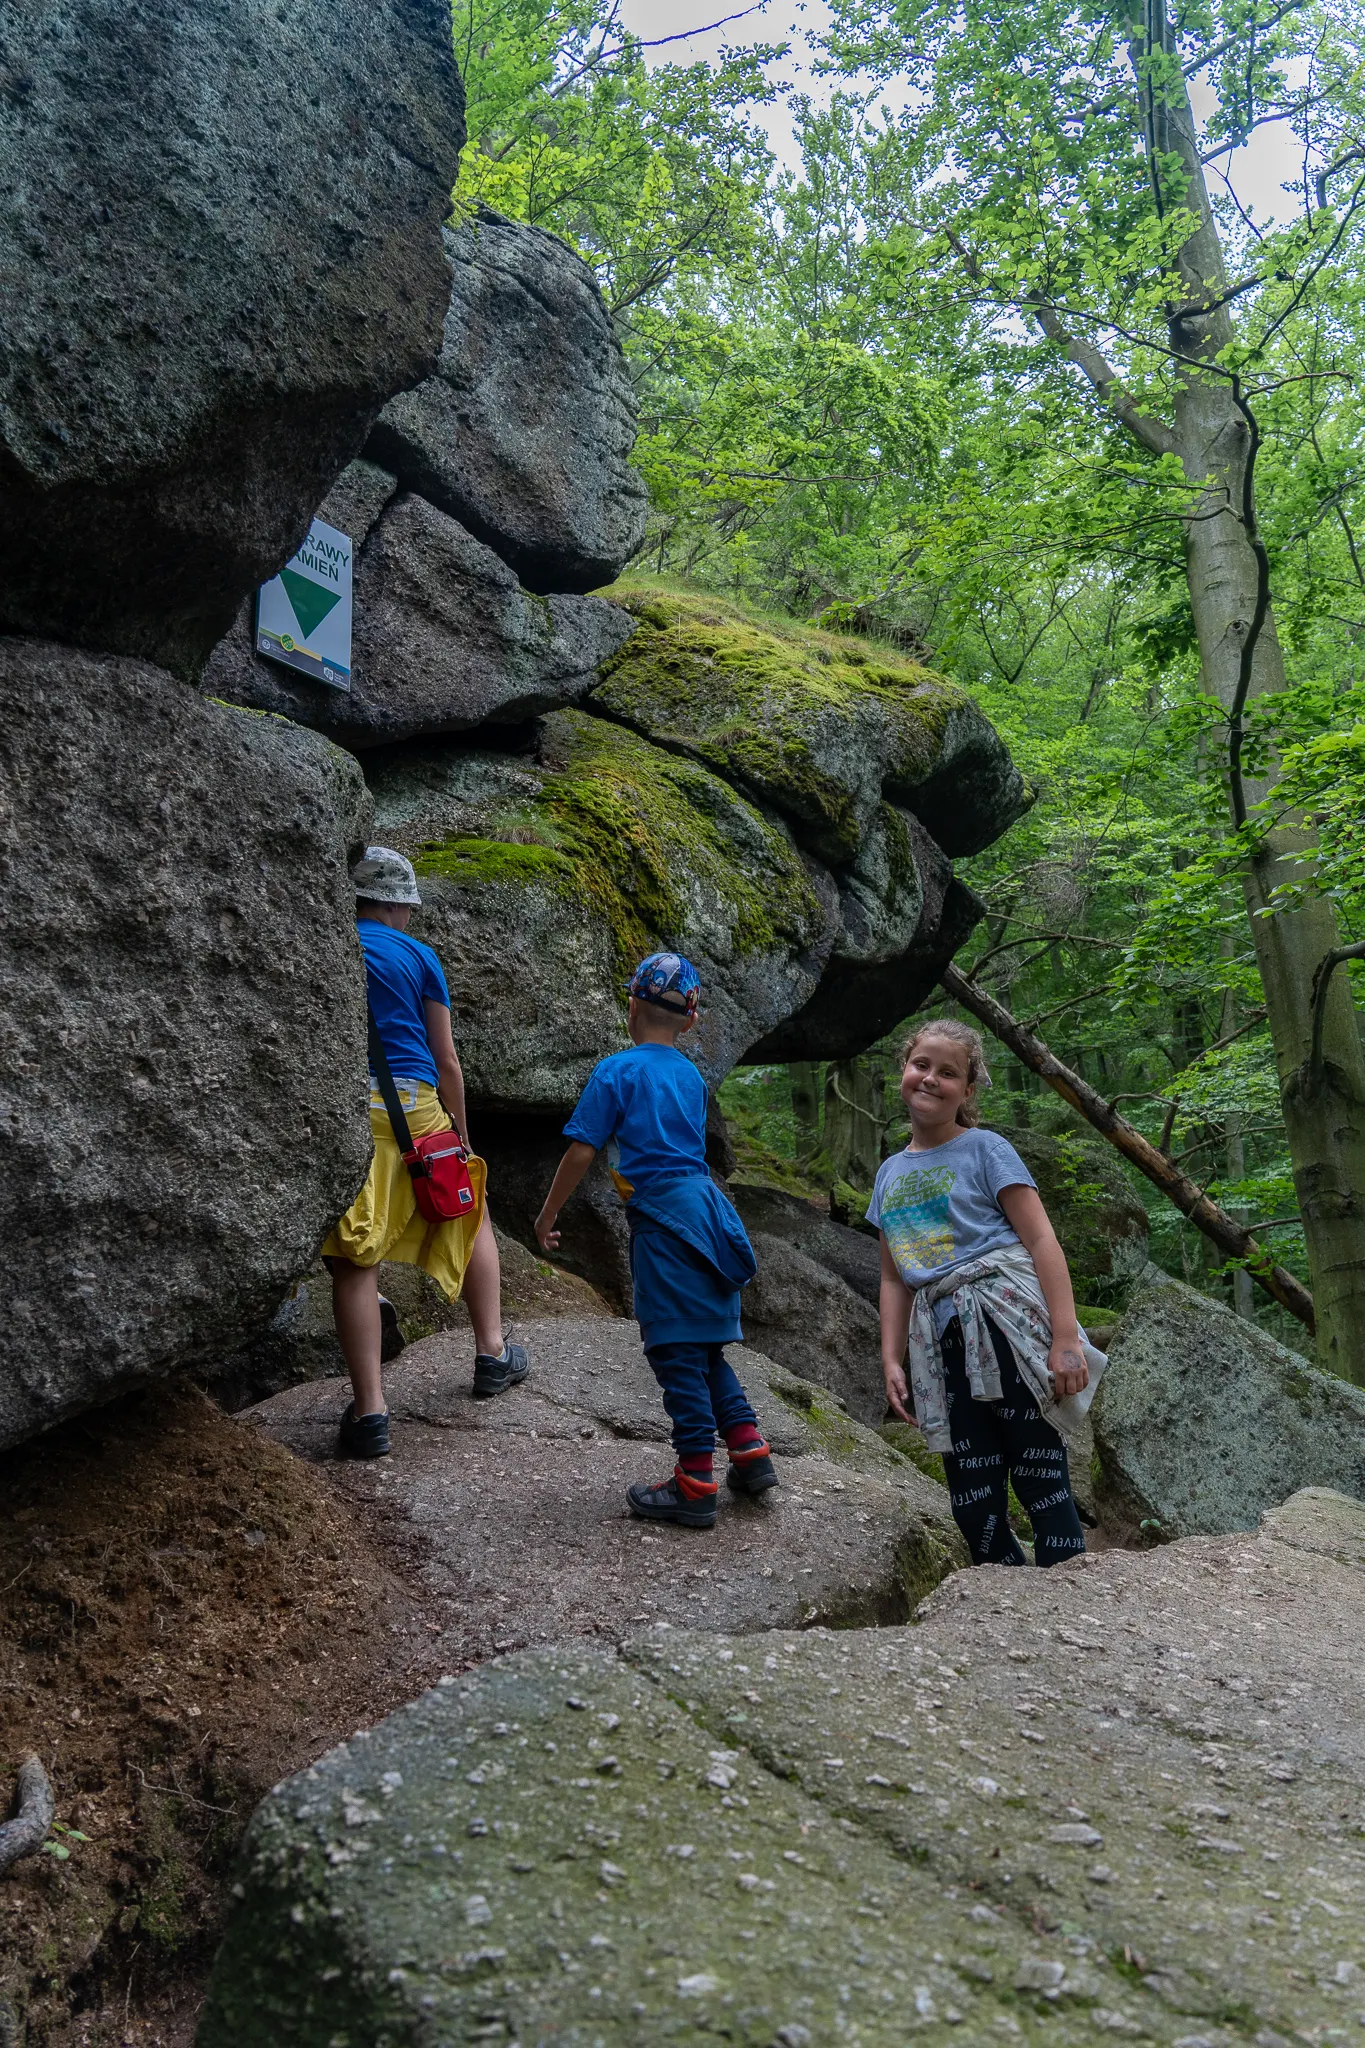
[850, 410]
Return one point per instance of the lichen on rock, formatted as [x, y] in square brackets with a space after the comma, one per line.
[819, 725]
[1203, 1422]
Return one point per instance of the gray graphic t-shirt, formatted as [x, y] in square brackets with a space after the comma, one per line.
[939, 1209]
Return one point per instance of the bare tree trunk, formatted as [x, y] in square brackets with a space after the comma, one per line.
[1232, 1240]
[1215, 436]
[1240, 657]
[1243, 1294]
[854, 1092]
[805, 1087]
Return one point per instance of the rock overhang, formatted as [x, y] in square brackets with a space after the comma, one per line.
[170, 418]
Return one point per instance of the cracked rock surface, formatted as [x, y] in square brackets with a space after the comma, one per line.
[1122, 1799]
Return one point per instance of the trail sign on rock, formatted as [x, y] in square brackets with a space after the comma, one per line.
[303, 615]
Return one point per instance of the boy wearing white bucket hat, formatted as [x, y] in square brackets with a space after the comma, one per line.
[409, 1006]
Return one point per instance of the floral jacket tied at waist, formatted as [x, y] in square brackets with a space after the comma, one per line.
[1004, 1285]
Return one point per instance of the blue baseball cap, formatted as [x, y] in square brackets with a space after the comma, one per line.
[667, 980]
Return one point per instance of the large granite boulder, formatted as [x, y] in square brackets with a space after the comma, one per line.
[813, 1304]
[808, 1319]
[1103, 1802]
[881, 891]
[445, 638]
[182, 1036]
[852, 1255]
[546, 875]
[220, 253]
[523, 434]
[1202, 1421]
[819, 725]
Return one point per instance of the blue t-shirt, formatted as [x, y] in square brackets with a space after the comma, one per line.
[649, 1106]
[941, 1209]
[401, 974]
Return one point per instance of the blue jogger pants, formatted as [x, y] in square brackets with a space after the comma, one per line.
[701, 1392]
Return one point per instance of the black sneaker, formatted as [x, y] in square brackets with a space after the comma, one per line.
[496, 1375]
[364, 1436]
[753, 1478]
[391, 1340]
[668, 1503]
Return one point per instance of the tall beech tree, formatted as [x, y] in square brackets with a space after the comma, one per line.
[1061, 179]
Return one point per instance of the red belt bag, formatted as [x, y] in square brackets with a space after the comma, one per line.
[439, 1164]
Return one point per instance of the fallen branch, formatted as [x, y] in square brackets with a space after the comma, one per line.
[1232, 1240]
[27, 1832]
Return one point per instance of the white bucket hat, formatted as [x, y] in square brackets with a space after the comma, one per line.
[385, 877]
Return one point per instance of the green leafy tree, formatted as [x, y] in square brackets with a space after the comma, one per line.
[1061, 177]
[649, 172]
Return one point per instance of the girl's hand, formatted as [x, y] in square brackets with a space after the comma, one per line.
[1066, 1363]
[547, 1237]
[897, 1394]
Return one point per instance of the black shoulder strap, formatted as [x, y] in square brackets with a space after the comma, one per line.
[379, 1067]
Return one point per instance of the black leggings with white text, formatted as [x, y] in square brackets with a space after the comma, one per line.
[994, 1443]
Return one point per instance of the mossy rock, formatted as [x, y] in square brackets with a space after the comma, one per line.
[546, 875]
[820, 725]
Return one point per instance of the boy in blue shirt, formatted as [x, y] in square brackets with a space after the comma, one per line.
[689, 1255]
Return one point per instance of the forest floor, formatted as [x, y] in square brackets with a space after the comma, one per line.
[187, 1614]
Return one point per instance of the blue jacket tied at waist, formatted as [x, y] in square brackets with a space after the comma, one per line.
[689, 1257]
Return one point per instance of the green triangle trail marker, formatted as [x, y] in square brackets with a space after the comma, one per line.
[303, 615]
[309, 601]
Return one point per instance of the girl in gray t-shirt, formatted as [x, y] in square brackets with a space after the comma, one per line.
[953, 1196]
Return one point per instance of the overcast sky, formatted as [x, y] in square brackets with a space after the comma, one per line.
[1257, 171]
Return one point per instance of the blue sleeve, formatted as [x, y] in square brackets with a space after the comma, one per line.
[434, 989]
[873, 1213]
[1001, 1165]
[598, 1112]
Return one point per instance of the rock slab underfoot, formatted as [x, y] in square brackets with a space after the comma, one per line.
[512, 1513]
[1120, 1800]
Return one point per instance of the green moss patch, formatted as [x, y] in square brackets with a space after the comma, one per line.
[815, 722]
[472, 860]
[663, 851]
[909, 1441]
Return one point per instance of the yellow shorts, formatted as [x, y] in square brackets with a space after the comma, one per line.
[384, 1222]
